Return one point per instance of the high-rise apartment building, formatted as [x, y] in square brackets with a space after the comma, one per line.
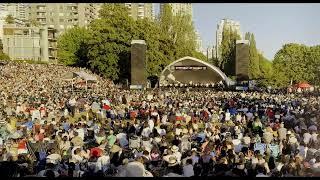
[97, 8]
[182, 8]
[140, 10]
[30, 43]
[209, 52]
[3, 15]
[62, 16]
[17, 10]
[229, 23]
[198, 42]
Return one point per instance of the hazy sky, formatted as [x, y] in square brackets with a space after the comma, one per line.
[273, 24]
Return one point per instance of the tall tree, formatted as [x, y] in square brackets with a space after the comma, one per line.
[293, 62]
[265, 67]
[1, 46]
[227, 49]
[109, 47]
[254, 68]
[155, 59]
[72, 47]
[178, 34]
[9, 19]
[254, 58]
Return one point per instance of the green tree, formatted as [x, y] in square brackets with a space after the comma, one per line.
[155, 59]
[3, 56]
[254, 65]
[314, 64]
[200, 55]
[72, 47]
[178, 35]
[294, 62]
[167, 45]
[184, 35]
[9, 19]
[227, 49]
[1, 46]
[265, 67]
[109, 47]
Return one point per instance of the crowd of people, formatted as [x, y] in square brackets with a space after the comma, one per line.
[48, 129]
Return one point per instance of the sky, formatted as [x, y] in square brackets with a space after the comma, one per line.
[273, 24]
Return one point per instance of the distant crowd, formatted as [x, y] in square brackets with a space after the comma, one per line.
[50, 129]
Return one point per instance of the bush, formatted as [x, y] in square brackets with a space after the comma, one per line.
[3, 56]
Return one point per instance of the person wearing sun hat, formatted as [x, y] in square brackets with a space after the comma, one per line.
[176, 153]
[135, 169]
[173, 168]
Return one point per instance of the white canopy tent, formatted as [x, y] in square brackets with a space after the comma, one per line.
[83, 75]
[86, 76]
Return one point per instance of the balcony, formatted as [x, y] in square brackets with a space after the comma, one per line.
[74, 9]
[41, 8]
[52, 38]
[53, 47]
[41, 19]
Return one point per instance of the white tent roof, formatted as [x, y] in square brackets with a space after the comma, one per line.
[86, 76]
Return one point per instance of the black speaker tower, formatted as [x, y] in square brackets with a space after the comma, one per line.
[242, 60]
[138, 59]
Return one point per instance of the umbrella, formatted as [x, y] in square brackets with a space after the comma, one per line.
[96, 152]
[303, 85]
[106, 102]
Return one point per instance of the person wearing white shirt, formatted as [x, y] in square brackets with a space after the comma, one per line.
[103, 162]
[164, 119]
[1, 141]
[36, 115]
[178, 131]
[238, 117]
[246, 140]
[314, 136]
[122, 137]
[151, 124]
[161, 131]
[80, 133]
[237, 145]
[146, 132]
[306, 137]
[227, 116]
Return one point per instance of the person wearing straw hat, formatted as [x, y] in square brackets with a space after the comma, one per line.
[135, 169]
[77, 140]
[176, 153]
[173, 168]
[116, 155]
[76, 154]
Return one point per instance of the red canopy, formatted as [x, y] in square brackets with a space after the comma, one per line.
[303, 85]
[96, 152]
